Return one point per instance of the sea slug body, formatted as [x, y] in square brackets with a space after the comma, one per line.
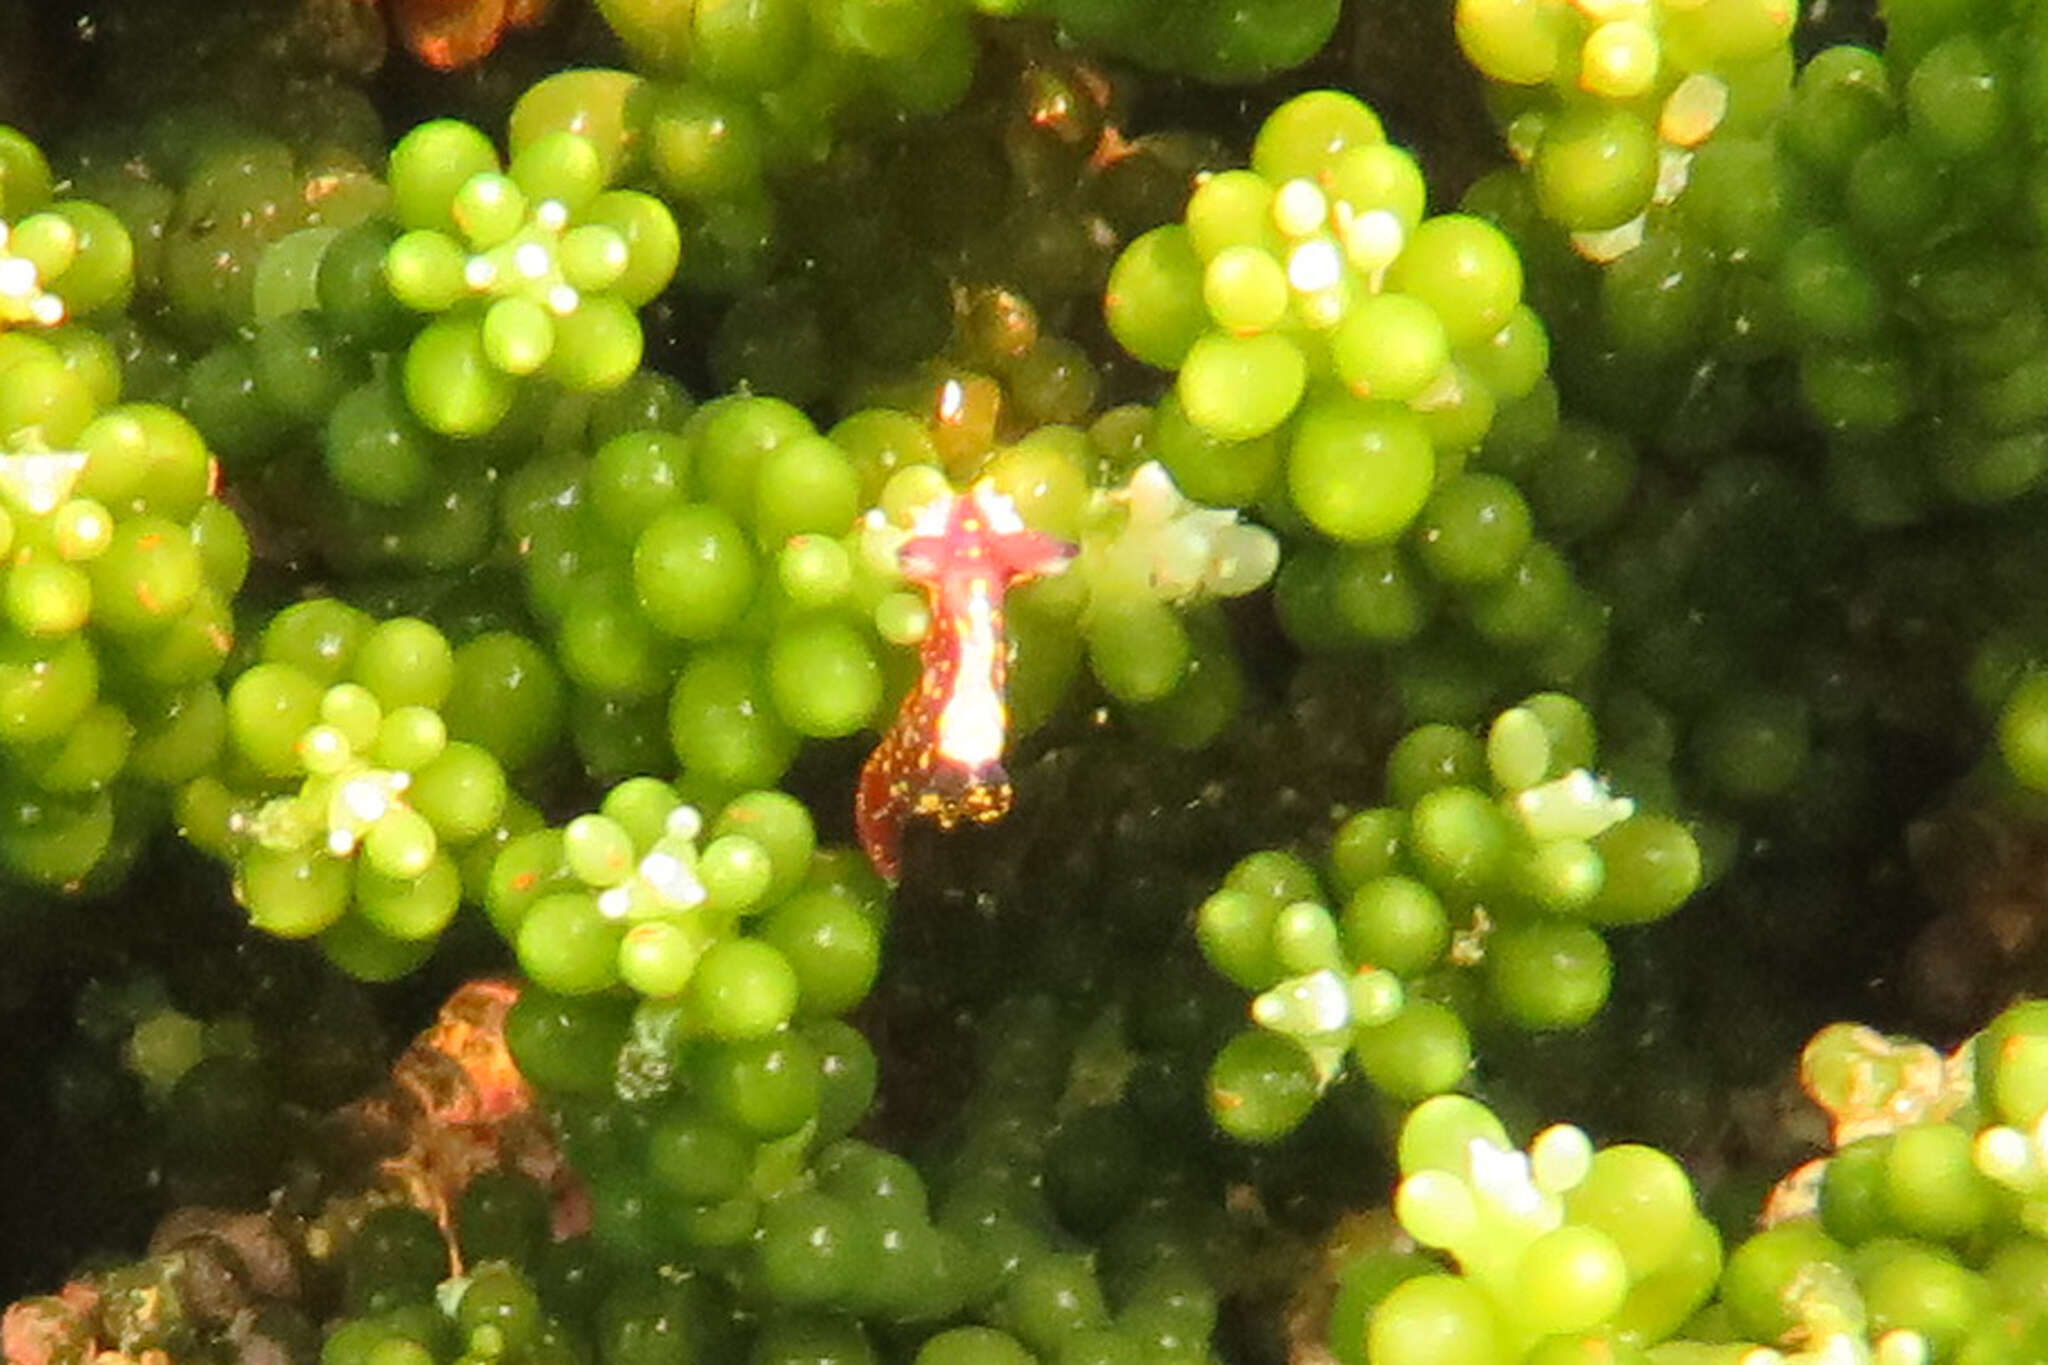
[942, 759]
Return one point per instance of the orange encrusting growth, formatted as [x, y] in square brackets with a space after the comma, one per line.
[942, 759]
[459, 1107]
[451, 34]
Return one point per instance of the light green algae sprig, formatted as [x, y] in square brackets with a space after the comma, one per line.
[59, 259]
[535, 269]
[1494, 863]
[727, 927]
[345, 808]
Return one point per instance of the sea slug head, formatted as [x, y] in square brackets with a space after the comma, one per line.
[979, 535]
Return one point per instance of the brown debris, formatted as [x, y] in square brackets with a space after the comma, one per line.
[213, 1279]
[1305, 1320]
[228, 1257]
[1985, 868]
[458, 1107]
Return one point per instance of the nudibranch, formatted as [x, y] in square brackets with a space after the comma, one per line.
[943, 758]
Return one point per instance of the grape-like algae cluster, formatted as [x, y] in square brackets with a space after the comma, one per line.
[1500, 666]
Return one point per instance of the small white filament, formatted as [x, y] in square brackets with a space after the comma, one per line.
[1299, 208]
[1373, 240]
[18, 276]
[671, 879]
[1314, 266]
[533, 260]
[684, 822]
